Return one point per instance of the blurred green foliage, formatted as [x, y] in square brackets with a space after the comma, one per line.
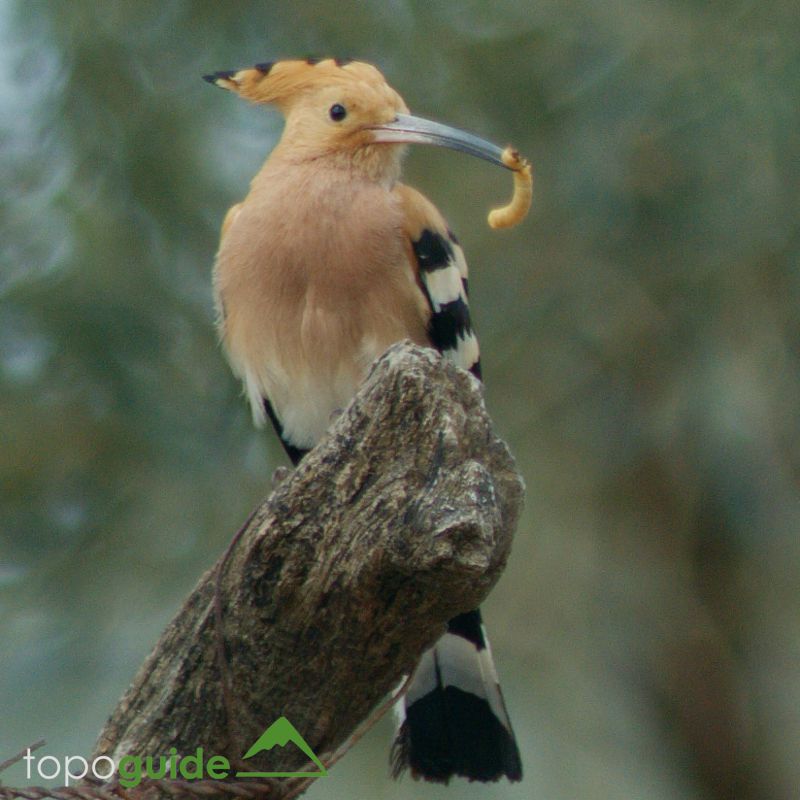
[639, 332]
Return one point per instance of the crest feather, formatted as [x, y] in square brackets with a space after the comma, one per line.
[277, 82]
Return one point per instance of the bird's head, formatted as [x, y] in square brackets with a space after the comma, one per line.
[346, 112]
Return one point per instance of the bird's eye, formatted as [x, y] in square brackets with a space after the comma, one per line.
[337, 112]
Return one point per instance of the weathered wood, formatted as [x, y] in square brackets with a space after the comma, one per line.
[402, 517]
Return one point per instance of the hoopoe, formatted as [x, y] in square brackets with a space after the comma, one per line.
[328, 261]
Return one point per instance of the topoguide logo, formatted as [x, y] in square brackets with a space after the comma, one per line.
[132, 770]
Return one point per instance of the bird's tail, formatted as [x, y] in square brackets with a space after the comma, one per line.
[453, 720]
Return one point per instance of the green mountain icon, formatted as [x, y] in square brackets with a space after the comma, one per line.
[279, 734]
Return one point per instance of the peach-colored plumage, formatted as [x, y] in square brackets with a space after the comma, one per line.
[315, 281]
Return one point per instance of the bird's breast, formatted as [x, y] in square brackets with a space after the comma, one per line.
[314, 282]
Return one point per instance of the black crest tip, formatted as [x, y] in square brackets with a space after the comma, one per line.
[215, 77]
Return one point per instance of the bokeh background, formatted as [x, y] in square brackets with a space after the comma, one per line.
[640, 338]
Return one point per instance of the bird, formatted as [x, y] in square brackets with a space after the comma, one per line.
[328, 261]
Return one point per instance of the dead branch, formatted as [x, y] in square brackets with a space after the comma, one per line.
[401, 518]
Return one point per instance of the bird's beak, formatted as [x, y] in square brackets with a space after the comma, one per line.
[405, 129]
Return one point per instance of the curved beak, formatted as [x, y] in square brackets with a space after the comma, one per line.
[406, 129]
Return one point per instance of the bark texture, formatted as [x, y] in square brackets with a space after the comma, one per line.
[401, 518]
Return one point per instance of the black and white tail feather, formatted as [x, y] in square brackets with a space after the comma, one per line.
[452, 720]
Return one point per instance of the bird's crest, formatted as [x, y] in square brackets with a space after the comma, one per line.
[279, 82]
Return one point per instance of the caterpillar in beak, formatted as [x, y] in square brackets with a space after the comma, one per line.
[514, 212]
